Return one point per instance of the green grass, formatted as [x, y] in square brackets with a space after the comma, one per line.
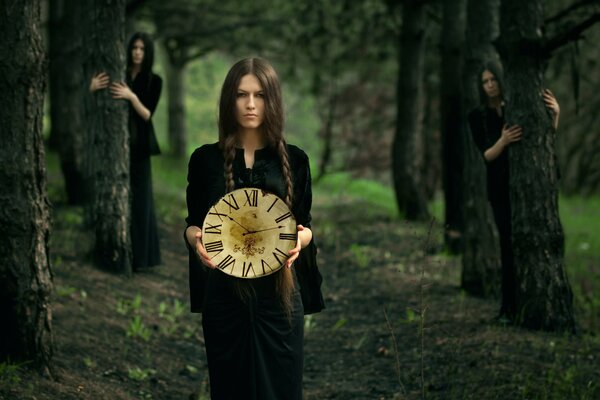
[580, 218]
[342, 187]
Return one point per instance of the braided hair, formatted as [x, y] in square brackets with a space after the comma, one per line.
[272, 130]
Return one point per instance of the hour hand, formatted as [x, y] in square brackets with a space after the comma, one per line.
[262, 230]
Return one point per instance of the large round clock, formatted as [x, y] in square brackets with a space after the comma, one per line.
[249, 232]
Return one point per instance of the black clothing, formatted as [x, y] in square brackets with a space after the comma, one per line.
[144, 231]
[486, 128]
[254, 351]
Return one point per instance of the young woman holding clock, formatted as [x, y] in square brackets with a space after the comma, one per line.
[494, 138]
[253, 328]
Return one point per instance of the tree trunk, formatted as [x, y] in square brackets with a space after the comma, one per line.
[544, 297]
[408, 146]
[481, 271]
[452, 37]
[108, 137]
[25, 275]
[175, 69]
[66, 91]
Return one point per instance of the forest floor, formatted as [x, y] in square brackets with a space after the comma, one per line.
[134, 338]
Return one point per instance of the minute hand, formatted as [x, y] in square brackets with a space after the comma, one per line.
[246, 229]
[262, 230]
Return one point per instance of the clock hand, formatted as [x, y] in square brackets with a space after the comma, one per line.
[262, 230]
[233, 220]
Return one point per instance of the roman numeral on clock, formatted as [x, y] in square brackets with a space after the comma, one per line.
[232, 203]
[227, 261]
[218, 214]
[214, 247]
[214, 229]
[282, 217]
[263, 262]
[280, 256]
[275, 201]
[251, 197]
[287, 236]
[246, 269]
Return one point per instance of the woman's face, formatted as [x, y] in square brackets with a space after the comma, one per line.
[490, 84]
[250, 103]
[137, 52]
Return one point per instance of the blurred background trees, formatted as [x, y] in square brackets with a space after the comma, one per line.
[374, 89]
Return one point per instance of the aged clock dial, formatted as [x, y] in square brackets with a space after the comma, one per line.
[249, 232]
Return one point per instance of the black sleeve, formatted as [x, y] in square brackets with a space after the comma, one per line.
[306, 268]
[151, 96]
[197, 209]
[477, 130]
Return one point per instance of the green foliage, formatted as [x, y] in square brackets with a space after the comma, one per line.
[65, 291]
[172, 316]
[342, 185]
[138, 329]
[138, 374]
[89, 362]
[9, 373]
[360, 255]
[125, 306]
[579, 217]
[340, 323]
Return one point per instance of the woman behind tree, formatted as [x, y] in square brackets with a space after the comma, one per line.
[493, 138]
[142, 91]
[253, 328]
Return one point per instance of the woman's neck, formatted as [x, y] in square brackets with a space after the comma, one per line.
[251, 139]
[495, 102]
[135, 69]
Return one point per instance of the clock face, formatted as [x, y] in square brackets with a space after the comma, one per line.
[248, 233]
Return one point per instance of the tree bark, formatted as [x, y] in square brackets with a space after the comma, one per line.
[67, 87]
[108, 140]
[481, 271]
[25, 274]
[175, 69]
[544, 296]
[452, 37]
[408, 146]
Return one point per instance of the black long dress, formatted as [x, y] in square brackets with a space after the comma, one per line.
[486, 128]
[253, 350]
[144, 231]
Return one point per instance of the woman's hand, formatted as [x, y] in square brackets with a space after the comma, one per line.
[119, 90]
[193, 235]
[511, 134]
[99, 81]
[552, 105]
[304, 238]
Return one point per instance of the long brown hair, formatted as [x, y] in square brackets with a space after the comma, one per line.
[272, 130]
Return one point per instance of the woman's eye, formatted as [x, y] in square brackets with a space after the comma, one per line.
[260, 95]
[241, 94]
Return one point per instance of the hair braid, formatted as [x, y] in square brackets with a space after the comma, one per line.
[229, 155]
[285, 166]
[285, 279]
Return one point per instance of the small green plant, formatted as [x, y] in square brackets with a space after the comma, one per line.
[138, 374]
[89, 362]
[64, 291]
[360, 255]
[125, 306]
[138, 329]
[9, 373]
[340, 324]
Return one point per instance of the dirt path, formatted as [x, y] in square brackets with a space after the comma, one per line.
[119, 338]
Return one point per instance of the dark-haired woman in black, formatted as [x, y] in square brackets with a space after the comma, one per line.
[253, 328]
[494, 138]
[142, 91]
